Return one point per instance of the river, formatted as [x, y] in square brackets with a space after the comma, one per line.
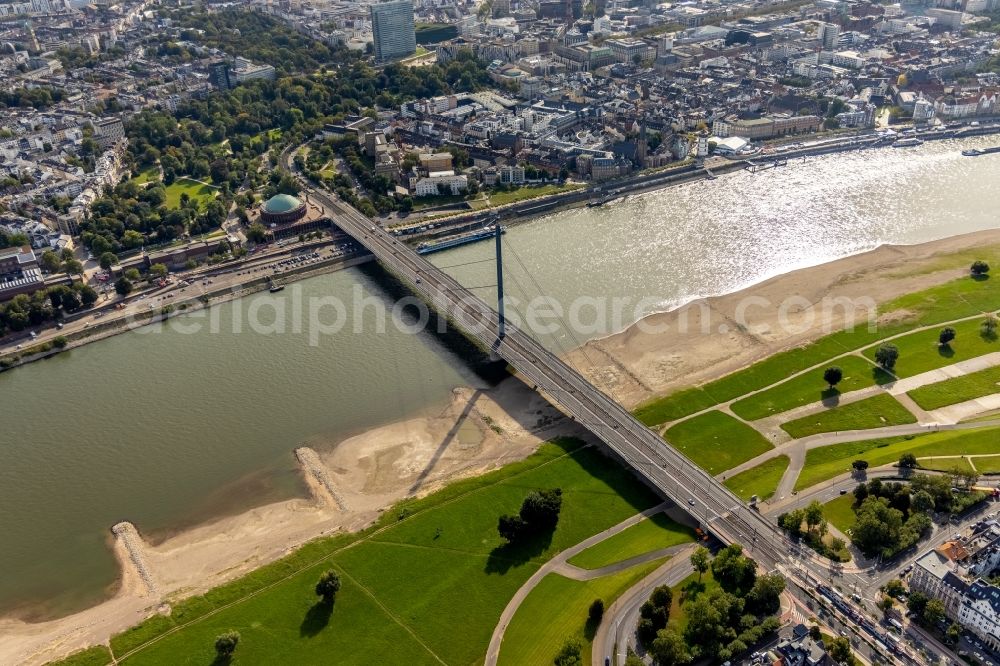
[168, 429]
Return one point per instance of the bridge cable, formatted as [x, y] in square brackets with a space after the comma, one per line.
[566, 326]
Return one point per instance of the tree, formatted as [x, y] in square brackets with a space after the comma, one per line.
[257, 233]
[700, 560]
[328, 586]
[225, 644]
[158, 270]
[887, 355]
[596, 611]
[908, 461]
[922, 501]
[894, 588]
[885, 604]
[815, 632]
[510, 528]
[655, 613]
[669, 649]
[123, 286]
[88, 295]
[933, 612]
[73, 267]
[839, 650]
[733, 570]
[833, 375]
[765, 596]
[860, 493]
[570, 654]
[953, 634]
[979, 267]
[814, 515]
[917, 603]
[988, 329]
[859, 465]
[946, 335]
[108, 259]
[50, 261]
[132, 274]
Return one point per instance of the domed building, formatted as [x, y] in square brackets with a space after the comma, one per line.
[282, 209]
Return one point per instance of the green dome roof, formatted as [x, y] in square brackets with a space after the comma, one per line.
[281, 203]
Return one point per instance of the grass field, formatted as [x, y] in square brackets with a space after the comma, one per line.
[651, 534]
[761, 480]
[959, 389]
[988, 464]
[556, 610]
[717, 441]
[428, 567]
[98, 655]
[530, 192]
[839, 513]
[810, 388]
[195, 190]
[945, 464]
[147, 175]
[959, 298]
[920, 352]
[876, 412]
[829, 461]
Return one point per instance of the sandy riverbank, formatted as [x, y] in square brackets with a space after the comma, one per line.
[481, 430]
[709, 338]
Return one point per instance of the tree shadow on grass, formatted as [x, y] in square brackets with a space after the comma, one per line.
[504, 558]
[222, 660]
[830, 397]
[883, 377]
[590, 628]
[316, 618]
[981, 277]
[946, 351]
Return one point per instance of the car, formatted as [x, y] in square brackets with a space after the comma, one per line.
[691, 501]
[843, 491]
[418, 280]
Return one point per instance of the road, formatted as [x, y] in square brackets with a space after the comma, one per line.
[676, 477]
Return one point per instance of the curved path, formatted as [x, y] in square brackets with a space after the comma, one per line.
[558, 564]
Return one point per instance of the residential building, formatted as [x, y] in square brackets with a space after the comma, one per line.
[828, 35]
[393, 29]
[433, 184]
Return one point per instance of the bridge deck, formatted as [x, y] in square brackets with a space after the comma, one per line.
[673, 474]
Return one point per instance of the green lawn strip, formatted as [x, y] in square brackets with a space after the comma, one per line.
[716, 441]
[958, 389]
[653, 533]
[761, 480]
[99, 655]
[429, 566]
[946, 464]
[194, 189]
[530, 192]
[959, 298]
[876, 412]
[809, 388]
[920, 352]
[556, 611]
[987, 464]
[839, 512]
[829, 461]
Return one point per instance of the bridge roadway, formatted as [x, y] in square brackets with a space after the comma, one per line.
[677, 477]
[689, 486]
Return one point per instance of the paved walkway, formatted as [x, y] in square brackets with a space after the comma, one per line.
[553, 565]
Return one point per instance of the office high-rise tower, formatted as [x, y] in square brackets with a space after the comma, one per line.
[392, 25]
